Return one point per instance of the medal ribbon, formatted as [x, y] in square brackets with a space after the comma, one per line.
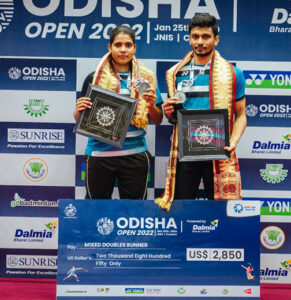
[189, 83]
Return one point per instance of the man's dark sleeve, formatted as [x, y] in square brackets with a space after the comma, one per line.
[86, 83]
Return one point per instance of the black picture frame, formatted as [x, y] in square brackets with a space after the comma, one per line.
[109, 117]
[203, 134]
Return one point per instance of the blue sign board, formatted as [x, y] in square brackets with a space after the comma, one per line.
[113, 248]
[82, 28]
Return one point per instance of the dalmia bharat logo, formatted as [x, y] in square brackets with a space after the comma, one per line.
[6, 13]
[286, 264]
[281, 20]
[32, 235]
[287, 137]
[272, 147]
[203, 226]
[52, 226]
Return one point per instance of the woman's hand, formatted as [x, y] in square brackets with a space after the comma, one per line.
[155, 112]
[150, 97]
[82, 104]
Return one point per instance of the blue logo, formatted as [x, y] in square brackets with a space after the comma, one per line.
[70, 210]
[37, 74]
[238, 208]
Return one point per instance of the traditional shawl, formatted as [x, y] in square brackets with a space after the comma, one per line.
[222, 91]
[106, 76]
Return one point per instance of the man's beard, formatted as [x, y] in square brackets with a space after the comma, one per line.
[204, 54]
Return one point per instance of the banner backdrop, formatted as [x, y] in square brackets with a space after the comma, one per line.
[48, 47]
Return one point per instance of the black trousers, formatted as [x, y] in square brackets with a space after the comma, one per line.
[188, 177]
[130, 172]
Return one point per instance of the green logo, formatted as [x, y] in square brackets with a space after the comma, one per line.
[35, 167]
[181, 291]
[273, 235]
[286, 264]
[225, 291]
[16, 201]
[214, 223]
[274, 173]
[36, 107]
[287, 137]
[52, 226]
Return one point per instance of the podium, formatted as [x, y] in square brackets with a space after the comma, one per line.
[124, 249]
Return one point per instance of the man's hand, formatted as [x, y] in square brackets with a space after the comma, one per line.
[168, 106]
[239, 125]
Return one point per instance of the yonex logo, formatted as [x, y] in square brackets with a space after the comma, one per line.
[268, 79]
[185, 73]
[6, 13]
[257, 79]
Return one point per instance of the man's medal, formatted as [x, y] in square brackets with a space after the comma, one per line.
[181, 97]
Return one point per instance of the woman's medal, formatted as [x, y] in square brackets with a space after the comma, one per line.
[143, 87]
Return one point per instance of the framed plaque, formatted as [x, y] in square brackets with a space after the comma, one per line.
[109, 117]
[203, 134]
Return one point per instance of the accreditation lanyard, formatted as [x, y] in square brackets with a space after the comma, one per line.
[186, 84]
[128, 80]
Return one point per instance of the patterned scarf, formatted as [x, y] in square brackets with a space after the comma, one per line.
[106, 76]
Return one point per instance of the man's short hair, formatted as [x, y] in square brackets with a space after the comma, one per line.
[204, 20]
